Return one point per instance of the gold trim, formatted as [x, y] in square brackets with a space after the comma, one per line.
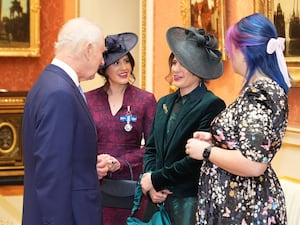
[185, 9]
[10, 168]
[12, 172]
[143, 44]
[12, 100]
[13, 145]
[290, 179]
[264, 6]
[34, 25]
[77, 8]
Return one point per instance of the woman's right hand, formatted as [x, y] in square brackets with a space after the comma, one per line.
[101, 166]
[106, 163]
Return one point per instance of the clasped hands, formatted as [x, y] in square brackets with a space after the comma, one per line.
[196, 145]
[147, 187]
[105, 164]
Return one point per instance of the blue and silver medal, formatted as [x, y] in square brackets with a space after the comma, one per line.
[128, 118]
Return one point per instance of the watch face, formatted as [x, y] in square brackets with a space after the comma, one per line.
[206, 152]
[7, 137]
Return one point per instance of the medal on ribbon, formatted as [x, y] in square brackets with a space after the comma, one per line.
[128, 118]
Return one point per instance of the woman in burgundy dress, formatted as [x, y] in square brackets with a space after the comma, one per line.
[123, 116]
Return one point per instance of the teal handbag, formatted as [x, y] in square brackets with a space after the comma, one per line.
[159, 218]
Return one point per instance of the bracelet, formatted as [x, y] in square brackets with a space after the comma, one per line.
[206, 152]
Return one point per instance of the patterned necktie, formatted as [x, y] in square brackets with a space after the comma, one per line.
[81, 92]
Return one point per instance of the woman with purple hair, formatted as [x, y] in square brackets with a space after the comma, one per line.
[237, 183]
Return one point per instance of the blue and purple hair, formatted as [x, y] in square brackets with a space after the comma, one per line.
[251, 35]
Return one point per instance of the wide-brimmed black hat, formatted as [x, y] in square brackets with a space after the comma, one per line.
[196, 51]
[117, 46]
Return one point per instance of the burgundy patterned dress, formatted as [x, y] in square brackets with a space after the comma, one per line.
[116, 141]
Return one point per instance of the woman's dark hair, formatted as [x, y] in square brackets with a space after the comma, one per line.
[169, 77]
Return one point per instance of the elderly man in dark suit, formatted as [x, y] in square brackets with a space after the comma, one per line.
[60, 143]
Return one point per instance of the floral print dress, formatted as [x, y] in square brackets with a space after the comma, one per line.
[255, 124]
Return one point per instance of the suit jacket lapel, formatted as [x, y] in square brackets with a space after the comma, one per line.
[184, 113]
[162, 116]
[67, 78]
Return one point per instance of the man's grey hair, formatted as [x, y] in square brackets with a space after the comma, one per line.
[76, 32]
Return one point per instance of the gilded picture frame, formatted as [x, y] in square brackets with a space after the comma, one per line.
[269, 8]
[20, 28]
[213, 21]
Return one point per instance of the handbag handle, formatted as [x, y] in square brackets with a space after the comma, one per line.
[130, 169]
[137, 196]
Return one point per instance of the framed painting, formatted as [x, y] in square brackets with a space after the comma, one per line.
[285, 16]
[207, 14]
[20, 28]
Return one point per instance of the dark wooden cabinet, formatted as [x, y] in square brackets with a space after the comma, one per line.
[11, 153]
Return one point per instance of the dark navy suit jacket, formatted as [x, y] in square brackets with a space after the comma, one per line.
[60, 150]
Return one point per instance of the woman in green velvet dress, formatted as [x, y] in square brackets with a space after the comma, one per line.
[170, 176]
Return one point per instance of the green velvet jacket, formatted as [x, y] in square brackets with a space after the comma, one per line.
[171, 168]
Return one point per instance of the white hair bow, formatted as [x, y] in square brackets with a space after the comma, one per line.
[277, 45]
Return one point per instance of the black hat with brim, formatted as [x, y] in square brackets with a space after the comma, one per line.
[196, 51]
[117, 46]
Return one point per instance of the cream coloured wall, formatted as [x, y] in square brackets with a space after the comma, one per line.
[287, 160]
[113, 16]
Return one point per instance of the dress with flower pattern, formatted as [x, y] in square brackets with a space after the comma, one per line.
[255, 124]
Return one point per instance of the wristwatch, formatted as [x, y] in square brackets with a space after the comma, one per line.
[206, 152]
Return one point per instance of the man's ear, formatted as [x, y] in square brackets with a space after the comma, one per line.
[88, 51]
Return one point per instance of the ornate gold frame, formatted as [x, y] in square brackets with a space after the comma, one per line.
[185, 8]
[267, 8]
[34, 37]
[14, 139]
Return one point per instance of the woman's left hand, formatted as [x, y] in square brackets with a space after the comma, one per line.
[159, 196]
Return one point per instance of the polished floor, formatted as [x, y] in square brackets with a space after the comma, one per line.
[11, 203]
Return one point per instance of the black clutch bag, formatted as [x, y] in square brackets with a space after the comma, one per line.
[118, 193]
